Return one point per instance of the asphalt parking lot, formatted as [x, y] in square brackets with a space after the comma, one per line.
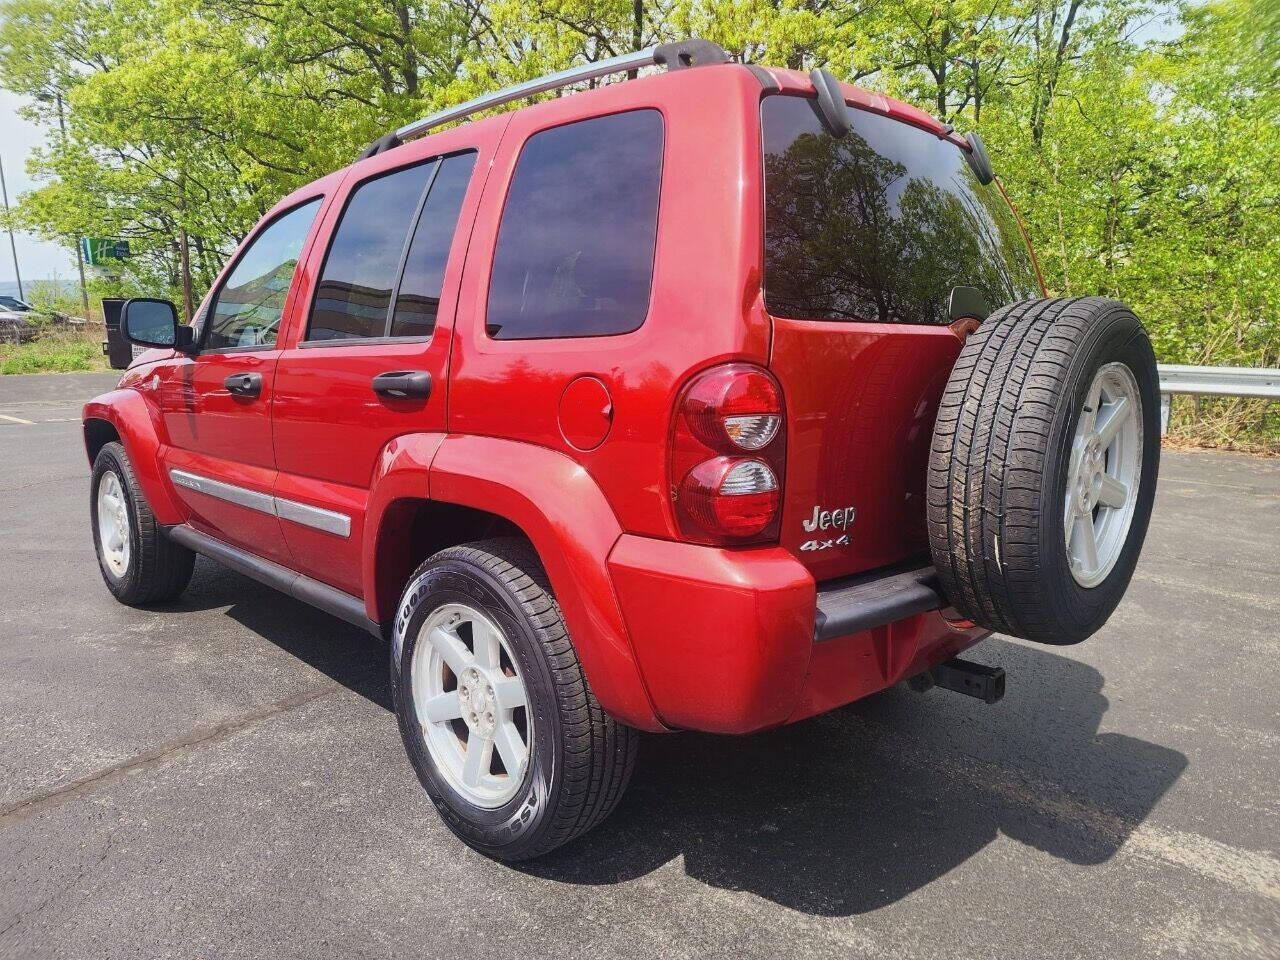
[223, 777]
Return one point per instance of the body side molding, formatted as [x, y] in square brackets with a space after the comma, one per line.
[330, 521]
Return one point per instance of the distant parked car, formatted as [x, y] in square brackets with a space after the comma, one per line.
[15, 320]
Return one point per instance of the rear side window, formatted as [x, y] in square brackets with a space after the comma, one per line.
[246, 311]
[371, 251]
[880, 224]
[575, 248]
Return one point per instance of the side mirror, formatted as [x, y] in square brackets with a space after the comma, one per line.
[151, 322]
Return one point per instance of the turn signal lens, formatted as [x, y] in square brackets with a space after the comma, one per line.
[736, 405]
[752, 431]
[729, 497]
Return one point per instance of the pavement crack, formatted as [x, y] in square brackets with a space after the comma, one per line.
[31, 806]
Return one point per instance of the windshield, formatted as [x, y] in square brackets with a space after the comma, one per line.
[881, 224]
[13, 303]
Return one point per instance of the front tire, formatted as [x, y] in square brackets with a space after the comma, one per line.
[139, 563]
[1043, 468]
[496, 714]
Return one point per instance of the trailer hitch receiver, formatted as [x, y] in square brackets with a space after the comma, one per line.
[963, 676]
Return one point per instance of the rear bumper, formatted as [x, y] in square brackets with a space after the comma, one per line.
[730, 641]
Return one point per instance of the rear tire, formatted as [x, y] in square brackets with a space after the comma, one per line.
[574, 760]
[139, 563]
[1026, 456]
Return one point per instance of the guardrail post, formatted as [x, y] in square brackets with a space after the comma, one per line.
[1166, 407]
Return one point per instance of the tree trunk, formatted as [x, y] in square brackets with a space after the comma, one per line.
[184, 266]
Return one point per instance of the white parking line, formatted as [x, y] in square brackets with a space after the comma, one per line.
[29, 423]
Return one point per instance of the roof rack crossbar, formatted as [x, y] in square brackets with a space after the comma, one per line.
[672, 55]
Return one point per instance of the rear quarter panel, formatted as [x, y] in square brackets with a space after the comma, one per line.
[706, 286]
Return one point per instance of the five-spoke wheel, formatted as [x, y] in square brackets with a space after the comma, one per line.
[139, 563]
[496, 713]
[1043, 467]
[472, 704]
[113, 525]
[1103, 475]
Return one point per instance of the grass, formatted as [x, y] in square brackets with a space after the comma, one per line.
[1225, 423]
[57, 350]
[1252, 426]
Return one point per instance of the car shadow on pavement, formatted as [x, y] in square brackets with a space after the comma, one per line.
[838, 815]
[344, 653]
[852, 811]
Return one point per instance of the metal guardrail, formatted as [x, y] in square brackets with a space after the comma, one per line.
[1214, 382]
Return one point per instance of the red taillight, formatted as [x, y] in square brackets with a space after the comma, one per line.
[727, 456]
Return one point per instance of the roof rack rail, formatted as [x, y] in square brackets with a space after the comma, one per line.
[673, 56]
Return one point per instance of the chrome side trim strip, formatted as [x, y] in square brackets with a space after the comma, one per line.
[329, 521]
[262, 502]
[304, 514]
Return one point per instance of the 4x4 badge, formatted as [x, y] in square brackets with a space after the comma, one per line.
[841, 541]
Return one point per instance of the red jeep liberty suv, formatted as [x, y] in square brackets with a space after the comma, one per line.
[708, 400]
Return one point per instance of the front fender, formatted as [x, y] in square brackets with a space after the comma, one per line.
[140, 429]
[559, 507]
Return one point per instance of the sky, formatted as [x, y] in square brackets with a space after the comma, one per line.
[36, 259]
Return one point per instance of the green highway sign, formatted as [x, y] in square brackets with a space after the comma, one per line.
[98, 251]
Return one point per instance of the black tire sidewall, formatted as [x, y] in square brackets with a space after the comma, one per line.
[501, 831]
[1081, 611]
[111, 459]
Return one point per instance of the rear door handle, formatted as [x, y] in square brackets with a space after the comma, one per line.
[244, 384]
[403, 383]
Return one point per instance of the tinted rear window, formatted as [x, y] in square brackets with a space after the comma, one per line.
[575, 248]
[418, 298]
[879, 225]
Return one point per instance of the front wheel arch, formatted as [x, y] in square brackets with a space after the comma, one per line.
[97, 434]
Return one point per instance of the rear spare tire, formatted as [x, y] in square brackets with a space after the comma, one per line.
[1043, 467]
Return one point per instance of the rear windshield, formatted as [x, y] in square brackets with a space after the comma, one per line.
[880, 224]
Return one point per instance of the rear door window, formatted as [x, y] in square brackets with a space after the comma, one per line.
[881, 224]
[575, 247]
[418, 299]
[356, 296]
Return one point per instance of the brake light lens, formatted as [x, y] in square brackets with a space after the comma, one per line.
[727, 456]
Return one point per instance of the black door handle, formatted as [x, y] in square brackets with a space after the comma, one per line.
[403, 383]
[244, 384]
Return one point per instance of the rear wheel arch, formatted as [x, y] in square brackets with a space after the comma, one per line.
[482, 487]
[411, 529]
